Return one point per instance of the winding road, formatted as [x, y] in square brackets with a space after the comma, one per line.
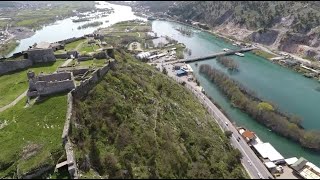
[250, 161]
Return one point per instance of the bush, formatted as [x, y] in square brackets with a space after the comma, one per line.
[228, 134]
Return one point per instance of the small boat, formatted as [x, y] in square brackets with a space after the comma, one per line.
[226, 49]
[239, 54]
[269, 130]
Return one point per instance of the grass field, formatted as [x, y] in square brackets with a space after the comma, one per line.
[73, 45]
[94, 62]
[32, 136]
[87, 48]
[12, 85]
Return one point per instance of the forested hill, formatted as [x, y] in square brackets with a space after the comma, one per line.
[137, 123]
[251, 14]
[290, 26]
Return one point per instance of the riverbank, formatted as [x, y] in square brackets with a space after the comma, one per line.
[261, 111]
[262, 51]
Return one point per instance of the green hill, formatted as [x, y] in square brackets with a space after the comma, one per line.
[138, 123]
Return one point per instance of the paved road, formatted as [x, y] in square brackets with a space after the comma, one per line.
[256, 165]
[250, 161]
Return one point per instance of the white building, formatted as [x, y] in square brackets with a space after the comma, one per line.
[267, 151]
[143, 55]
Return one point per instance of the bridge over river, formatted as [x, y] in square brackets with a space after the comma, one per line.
[213, 55]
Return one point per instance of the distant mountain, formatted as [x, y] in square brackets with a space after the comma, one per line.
[292, 26]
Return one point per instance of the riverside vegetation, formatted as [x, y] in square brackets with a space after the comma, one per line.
[228, 63]
[262, 111]
[91, 24]
[138, 123]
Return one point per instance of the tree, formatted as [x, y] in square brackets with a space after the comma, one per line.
[264, 106]
[228, 134]
[164, 71]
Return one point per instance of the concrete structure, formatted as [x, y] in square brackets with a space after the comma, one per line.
[267, 151]
[291, 161]
[215, 55]
[44, 85]
[305, 169]
[143, 55]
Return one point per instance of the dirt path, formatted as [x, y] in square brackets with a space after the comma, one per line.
[66, 62]
[79, 46]
[14, 102]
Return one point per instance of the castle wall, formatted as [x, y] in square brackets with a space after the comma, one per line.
[41, 55]
[55, 77]
[88, 84]
[46, 88]
[70, 40]
[62, 56]
[8, 66]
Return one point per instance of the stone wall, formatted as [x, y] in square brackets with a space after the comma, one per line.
[46, 88]
[55, 77]
[70, 40]
[41, 55]
[78, 92]
[62, 56]
[88, 84]
[75, 71]
[9, 66]
[85, 58]
[68, 118]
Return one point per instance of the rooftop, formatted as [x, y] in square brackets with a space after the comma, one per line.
[291, 161]
[266, 150]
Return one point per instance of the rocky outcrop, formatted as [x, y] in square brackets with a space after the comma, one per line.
[266, 37]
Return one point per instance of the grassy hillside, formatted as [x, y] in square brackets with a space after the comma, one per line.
[138, 123]
[31, 137]
[14, 84]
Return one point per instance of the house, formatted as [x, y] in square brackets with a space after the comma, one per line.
[306, 169]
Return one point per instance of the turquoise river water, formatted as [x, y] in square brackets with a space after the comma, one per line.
[290, 91]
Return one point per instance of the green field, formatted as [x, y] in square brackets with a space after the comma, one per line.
[12, 85]
[32, 136]
[73, 45]
[94, 62]
[87, 48]
[36, 18]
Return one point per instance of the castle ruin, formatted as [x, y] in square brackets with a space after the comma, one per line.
[46, 84]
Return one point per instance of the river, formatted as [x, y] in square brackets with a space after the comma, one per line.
[64, 29]
[290, 91]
